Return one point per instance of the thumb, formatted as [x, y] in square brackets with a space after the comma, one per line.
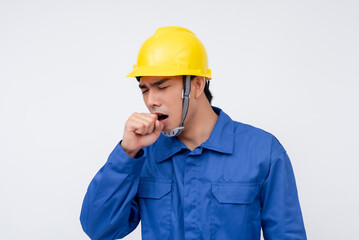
[158, 127]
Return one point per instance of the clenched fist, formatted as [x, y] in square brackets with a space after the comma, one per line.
[141, 130]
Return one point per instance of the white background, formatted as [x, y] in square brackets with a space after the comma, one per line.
[288, 67]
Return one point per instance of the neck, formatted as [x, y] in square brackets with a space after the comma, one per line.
[199, 126]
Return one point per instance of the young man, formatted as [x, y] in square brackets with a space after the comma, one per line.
[205, 177]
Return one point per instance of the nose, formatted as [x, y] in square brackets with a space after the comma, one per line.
[152, 99]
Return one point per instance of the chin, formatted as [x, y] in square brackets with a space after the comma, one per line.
[168, 128]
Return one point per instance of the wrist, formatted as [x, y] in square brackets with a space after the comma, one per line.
[131, 153]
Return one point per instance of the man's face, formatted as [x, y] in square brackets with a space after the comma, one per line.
[163, 96]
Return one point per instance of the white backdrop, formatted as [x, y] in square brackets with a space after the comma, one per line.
[289, 67]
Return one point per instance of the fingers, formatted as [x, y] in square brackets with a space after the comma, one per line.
[144, 126]
[158, 127]
[142, 123]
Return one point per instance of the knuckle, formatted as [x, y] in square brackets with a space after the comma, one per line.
[127, 123]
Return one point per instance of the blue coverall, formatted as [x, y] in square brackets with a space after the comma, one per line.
[238, 181]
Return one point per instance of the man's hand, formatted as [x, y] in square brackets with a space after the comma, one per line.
[141, 130]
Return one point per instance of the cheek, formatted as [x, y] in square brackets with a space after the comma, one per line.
[176, 102]
[177, 109]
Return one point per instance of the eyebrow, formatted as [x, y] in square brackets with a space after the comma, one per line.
[154, 83]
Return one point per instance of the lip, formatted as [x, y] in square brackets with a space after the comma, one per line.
[163, 120]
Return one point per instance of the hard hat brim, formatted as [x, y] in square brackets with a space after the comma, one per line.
[166, 71]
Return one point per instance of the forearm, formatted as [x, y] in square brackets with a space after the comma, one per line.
[110, 209]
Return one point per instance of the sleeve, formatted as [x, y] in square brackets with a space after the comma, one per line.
[281, 213]
[110, 208]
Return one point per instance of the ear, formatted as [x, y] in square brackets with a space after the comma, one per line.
[198, 84]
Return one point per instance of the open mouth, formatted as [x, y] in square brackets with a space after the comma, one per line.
[162, 116]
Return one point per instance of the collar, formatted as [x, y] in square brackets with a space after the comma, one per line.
[220, 140]
[222, 135]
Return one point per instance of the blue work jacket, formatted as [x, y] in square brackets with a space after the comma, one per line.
[238, 181]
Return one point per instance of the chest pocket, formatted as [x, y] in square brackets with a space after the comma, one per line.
[233, 206]
[155, 208]
[235, 193]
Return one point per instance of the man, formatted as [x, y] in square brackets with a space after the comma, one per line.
[206, 176]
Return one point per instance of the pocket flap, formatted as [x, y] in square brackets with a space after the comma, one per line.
[154, 189]
[235, 193]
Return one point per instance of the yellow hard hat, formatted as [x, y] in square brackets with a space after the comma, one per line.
[172, 51]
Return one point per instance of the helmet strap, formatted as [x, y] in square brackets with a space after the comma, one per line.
[186, 92]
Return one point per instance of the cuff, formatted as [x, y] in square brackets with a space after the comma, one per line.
[124, 163]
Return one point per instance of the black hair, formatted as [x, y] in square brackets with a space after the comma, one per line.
[206, 90]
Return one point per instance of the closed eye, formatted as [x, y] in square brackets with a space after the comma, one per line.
[163, 87]
[146, 89]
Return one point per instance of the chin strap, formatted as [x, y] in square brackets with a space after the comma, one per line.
[185, 95]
